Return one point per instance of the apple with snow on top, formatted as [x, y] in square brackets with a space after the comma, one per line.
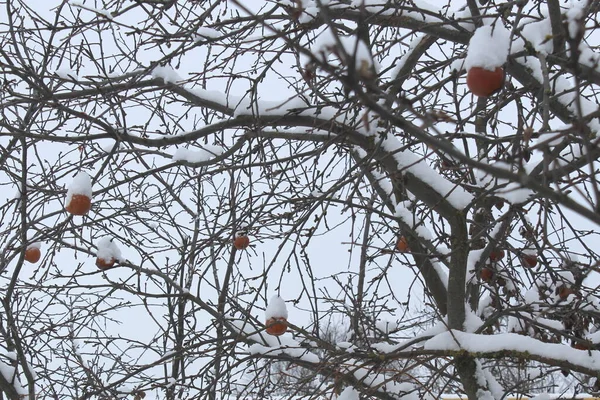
[496, 255]
[79, 195]
[564, 291]
[484, 82]
[486, 274]
[487, 52]
[529, 260]
[276, 316]
[33, 253]
[108, 253]
[241, 240]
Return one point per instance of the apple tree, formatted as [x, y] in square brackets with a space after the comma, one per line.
[298, 198]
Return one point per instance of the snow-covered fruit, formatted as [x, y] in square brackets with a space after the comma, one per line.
[108, 253]
[487, 52]
[33, 253]
[79, 195]
[486, 274]
[564, 291]
[139, 395]
[276, 316]
[402, 244]
[483, 82]
[276, 326]
[529, 260]
[105, 264]
[241, 240]
[496, 255]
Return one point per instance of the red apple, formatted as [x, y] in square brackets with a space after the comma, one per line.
[496, 255]
[483, 82]
[529, 260]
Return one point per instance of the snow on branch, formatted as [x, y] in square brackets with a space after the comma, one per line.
[487, 345]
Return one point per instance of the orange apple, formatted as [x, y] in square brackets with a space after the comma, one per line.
[33, 254]
[402, 245]
[79, 204]
[276, 326]
[104, 264]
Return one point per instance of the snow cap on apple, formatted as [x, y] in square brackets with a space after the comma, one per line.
[276, 308]
[81, 184]
[488, 47]
[108, 250]
[35, 245]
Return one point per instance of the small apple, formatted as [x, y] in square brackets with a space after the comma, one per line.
[33, 254]
[564, 291]
[104, 264]
[276, 326]
[79, 204]
[402, 245]
[483, 82]
[529, 260]
[486, 274]
[496, 255]
[241, 240]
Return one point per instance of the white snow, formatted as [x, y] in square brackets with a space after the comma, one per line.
[532, 296]
[99, 11]
[383, 180]
[209, 33]
[475, 343]
[276, 308]
[273, 107]
[488, 47]
[471, 324]
[35, 245]
[539, 34]
[220, 98]
[574, 15]
[349, 347]
[9, 372]
[108, 249]
[416, 165]
[472, 320]
[386, 326]
[412, 46]
[433, 14]
[593, 337]
[168, 74]
[348, 394]
[267, 344]
[294, 351]
[588, 56]
[196, 156]
[67, 74]
[551, 323]
[353, 48]
[81, 184]
[379, 381]
[567, 276]
[512, 192]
